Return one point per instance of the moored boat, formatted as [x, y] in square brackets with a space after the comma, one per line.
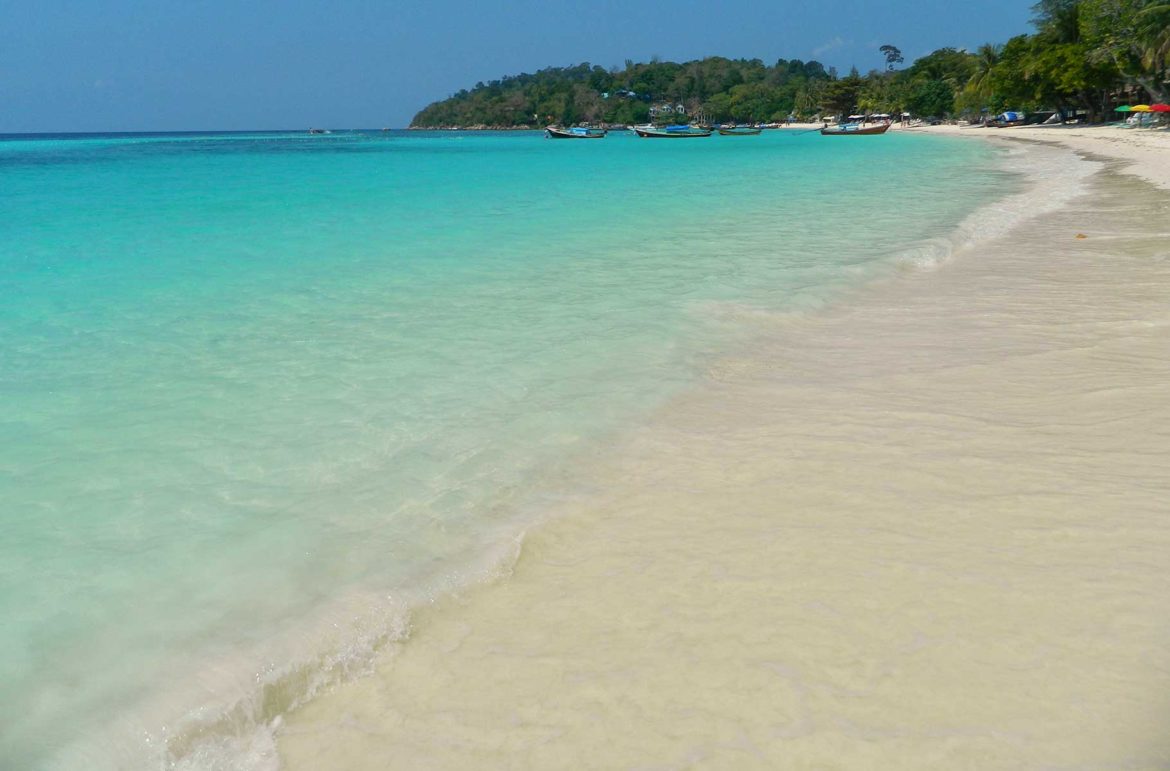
[576, 132]
[738, 131]
[671, 132]
[852, 129]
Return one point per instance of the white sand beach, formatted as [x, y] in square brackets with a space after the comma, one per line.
[928, 528]
[1144, 153]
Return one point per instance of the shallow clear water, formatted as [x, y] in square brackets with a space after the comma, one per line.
[923, 529]
[261, 393]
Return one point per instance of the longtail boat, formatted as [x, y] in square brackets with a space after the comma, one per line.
[852, 129]
[576, 132]
[738, 131]
[671, 132]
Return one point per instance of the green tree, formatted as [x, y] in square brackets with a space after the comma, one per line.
[718, 107]
[1133, 35]
[931, 97]
[985, 60]
[840, 96]
[1009, 81]
[893, 56]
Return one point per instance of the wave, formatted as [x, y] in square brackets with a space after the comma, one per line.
[1051, 178]
[241, 701]
[239, 708]
[241, 734]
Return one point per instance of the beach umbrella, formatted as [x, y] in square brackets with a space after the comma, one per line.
[1122, 108]
[1160, 107]
[1140, 108]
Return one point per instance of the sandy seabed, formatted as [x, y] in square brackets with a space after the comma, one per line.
[928, 528]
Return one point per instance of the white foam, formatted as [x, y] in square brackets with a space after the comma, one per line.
[240, 708]
[1053, 176]
[241, 700]
[924, 532]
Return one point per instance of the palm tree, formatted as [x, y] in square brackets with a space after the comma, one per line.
[1133, 35]
[1154, 30]
[1058, 20]
[985, 60]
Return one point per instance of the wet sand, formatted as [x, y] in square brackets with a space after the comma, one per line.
[927, 528]
[1142, 152]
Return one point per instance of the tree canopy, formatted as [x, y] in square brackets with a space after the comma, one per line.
[1083, 56]
[717, 87]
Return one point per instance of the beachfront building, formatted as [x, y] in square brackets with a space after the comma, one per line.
[667, 110]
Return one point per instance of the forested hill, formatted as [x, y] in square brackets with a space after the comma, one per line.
[719, 88]
[1085, 58]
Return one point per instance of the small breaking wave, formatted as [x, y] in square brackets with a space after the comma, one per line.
[241, 706]
[1052, 177]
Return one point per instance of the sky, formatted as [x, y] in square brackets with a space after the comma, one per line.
[169, 65]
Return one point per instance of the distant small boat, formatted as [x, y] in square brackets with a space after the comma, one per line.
[671, 132]
[319, 131]
[1008, 119]
[576, 132]
[738, 131]
[854, 129]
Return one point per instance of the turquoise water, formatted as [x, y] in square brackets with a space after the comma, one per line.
[260, 393]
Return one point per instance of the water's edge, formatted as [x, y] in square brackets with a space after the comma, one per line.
[987, 518]
[251, 727]
[232, 707]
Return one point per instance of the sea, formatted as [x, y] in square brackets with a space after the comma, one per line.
[264, 394]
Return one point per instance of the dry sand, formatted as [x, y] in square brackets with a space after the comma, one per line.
[927, 529]
[1145, 153]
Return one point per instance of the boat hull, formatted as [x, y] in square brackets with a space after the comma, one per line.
[739, 132]
[654, 133]
[557, 133]
[858, 131]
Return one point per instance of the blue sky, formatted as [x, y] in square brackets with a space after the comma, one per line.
[117, 65]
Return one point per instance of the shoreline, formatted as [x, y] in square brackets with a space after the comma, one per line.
[205, 698]
[1143, 153]
[888, 536]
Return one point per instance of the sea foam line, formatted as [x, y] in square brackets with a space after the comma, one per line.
[241, 733]
[240, 708]
[1053, 176]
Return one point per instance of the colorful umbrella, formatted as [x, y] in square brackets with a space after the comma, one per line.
[1122, 108]
[1140, 108]
[1160, 107]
